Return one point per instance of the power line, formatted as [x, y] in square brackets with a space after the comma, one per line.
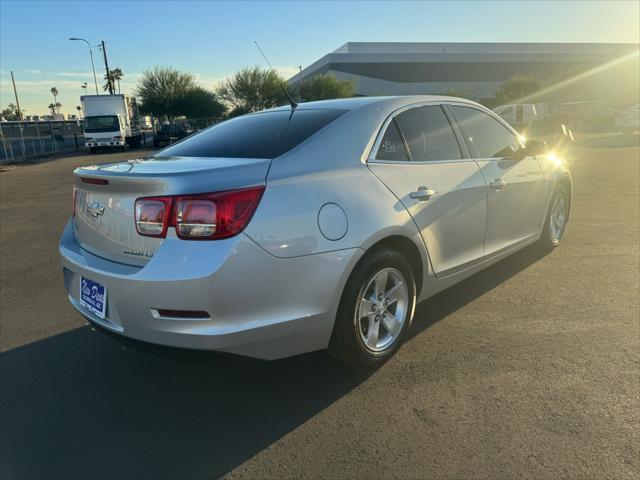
[43, 51]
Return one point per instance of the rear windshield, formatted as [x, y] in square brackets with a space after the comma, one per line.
[260, 135]
[103, 123]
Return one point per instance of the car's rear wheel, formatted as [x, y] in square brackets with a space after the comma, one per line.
[556, 219]
[375, 310]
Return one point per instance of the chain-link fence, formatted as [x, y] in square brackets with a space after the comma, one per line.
[22, 141]
[25, 140]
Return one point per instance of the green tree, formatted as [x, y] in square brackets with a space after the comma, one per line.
[517, 88]
[10, 113]
[160, 89]
[253, 89]
[200, 103]
[324, 87]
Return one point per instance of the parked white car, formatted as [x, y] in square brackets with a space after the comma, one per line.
[629, 120]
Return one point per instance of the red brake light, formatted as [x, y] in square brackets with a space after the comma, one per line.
[95, 181]
[206, 216]
[215, 215]
[152, 216]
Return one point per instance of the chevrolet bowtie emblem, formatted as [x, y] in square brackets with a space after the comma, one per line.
[95, 209]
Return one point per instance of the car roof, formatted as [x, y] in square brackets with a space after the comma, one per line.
[359, 102]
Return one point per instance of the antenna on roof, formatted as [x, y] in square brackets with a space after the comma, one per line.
[291, 100]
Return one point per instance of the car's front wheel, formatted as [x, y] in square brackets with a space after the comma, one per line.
[375, 310]
[556, 219]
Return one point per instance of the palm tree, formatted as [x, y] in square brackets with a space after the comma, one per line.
[52, 107]
[79, 109]
[54, 92]
[115, 74]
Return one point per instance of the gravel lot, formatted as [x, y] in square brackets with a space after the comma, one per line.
[529, 369]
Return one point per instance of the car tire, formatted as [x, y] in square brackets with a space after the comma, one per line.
[366, 341]
[555, 222]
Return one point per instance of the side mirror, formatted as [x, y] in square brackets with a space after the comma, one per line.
[535, 147]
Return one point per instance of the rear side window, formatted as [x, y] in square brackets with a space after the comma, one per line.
[392, 146]
[428, 134]
[489, 137]
[260, 135]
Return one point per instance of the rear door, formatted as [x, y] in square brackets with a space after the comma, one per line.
[515, 184]
[419, 158]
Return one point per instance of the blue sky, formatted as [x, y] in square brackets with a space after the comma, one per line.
[214, 39]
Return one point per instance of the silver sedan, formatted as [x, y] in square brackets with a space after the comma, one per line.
[298, 229]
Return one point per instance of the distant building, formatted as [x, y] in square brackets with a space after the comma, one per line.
[480, 68]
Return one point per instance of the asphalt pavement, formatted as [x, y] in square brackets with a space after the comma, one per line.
[529, 369]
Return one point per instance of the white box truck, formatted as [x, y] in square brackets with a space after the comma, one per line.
[110, 121]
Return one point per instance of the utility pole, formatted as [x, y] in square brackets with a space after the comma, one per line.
[15, 92]
[106, 65]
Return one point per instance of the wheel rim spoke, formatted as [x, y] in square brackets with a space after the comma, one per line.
[392, 324]
[392, 293]
[366, 306]
[558, 217]
[381, 282]
[372, 334]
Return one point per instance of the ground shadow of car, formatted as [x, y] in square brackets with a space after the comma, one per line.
[79, 405]
[611, 141]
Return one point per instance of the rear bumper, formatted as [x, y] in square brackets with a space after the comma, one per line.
[259, 305]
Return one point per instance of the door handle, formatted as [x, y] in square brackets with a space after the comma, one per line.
[497, 184]
[423, 194]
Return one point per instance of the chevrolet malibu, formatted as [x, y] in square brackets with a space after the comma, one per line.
[307, 227]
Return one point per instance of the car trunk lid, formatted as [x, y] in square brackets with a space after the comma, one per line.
[105, 196]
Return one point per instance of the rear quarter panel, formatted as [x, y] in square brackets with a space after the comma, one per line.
[330, 167]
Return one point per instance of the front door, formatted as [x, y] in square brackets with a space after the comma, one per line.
[515, 184]
[420, 161]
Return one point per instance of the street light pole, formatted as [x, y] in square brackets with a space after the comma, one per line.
[95, 79]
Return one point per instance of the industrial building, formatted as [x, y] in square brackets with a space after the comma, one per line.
[603, 71]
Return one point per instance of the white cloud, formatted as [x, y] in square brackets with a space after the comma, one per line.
[76, 74]
[287, 71]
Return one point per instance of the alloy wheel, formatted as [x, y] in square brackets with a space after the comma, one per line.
[382, 309]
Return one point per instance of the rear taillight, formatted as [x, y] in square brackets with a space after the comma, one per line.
[152, 215]
[206, 216]
[196, 217]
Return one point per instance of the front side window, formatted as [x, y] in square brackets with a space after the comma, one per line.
[101, 123]
[392, 146]
[428, 134]
[489, 137]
